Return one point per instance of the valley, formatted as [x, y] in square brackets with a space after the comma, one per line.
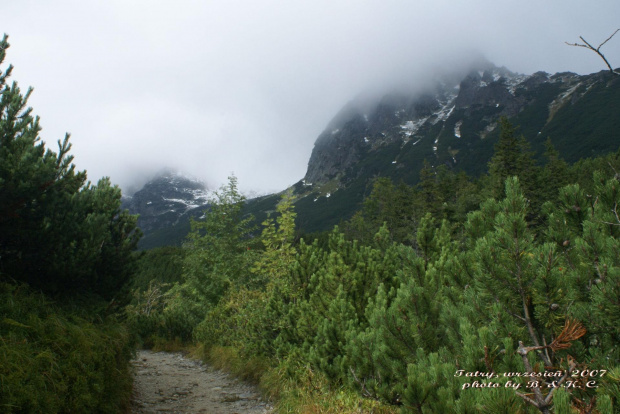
[452, 247]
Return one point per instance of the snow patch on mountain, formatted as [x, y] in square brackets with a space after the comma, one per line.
[514, 82]
[447, 106]
[457, 129]
[411, 127]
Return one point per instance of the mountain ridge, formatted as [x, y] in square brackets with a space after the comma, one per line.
[452, 122]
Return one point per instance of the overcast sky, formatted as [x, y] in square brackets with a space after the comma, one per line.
[214, 87]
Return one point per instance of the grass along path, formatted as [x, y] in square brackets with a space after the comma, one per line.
[171, 383]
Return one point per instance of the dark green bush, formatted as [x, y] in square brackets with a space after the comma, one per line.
[52, 361]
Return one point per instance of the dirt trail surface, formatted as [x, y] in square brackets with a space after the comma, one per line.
[171, 383]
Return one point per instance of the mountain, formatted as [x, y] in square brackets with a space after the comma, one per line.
[165, 202]
[452, 121]
[455, 124]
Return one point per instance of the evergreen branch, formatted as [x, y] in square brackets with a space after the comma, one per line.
[514, 315]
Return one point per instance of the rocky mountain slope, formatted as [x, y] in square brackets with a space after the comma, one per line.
[167, 200]
[452, 121]
[448, 124]
[454, 124]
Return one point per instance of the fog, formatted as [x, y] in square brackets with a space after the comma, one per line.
[212, 88]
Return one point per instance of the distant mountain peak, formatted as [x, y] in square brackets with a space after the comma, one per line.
[166, 198]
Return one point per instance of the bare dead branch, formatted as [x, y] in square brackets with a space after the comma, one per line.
[615, 210]
[538, 399]
[546, 348]
[365, 391]
[527, 399]
[607, 40]
[597, 50]
[586, 408]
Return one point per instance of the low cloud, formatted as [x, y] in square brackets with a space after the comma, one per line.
[211, 88]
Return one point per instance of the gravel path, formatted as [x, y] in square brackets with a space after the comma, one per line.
[171, 383]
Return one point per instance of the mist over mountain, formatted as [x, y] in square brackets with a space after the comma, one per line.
[456, 126]
[450, 120]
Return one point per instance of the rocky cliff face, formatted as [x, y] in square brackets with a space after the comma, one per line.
[454, 117]
[453, 123]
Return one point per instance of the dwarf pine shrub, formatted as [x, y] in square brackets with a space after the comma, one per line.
[52, 361]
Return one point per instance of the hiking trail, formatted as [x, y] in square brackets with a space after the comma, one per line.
[172, 383]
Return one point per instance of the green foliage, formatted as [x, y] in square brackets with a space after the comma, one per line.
[441, 193]
[158, 270]
[52, 361]
[512, 157]
[554, 174]
[394, 206]
[219, 253]
[277, 238]
[586, 229]
[219, 248]
[250, 318]
[396, 322]
[67, 238]
[423, 288]
[163, 264]
[57, 232]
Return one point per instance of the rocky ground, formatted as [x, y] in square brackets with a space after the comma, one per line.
[171, 383]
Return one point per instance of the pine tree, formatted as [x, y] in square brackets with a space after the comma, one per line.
[277, 238]
[29, 175]
[220, 246]
[219, 255]
[429, 188]
[523, 287]
[512, 158]
[393, 205]
[254, 312]
[57, 232]
[404, 320]
[555, 173]
[586, 229]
